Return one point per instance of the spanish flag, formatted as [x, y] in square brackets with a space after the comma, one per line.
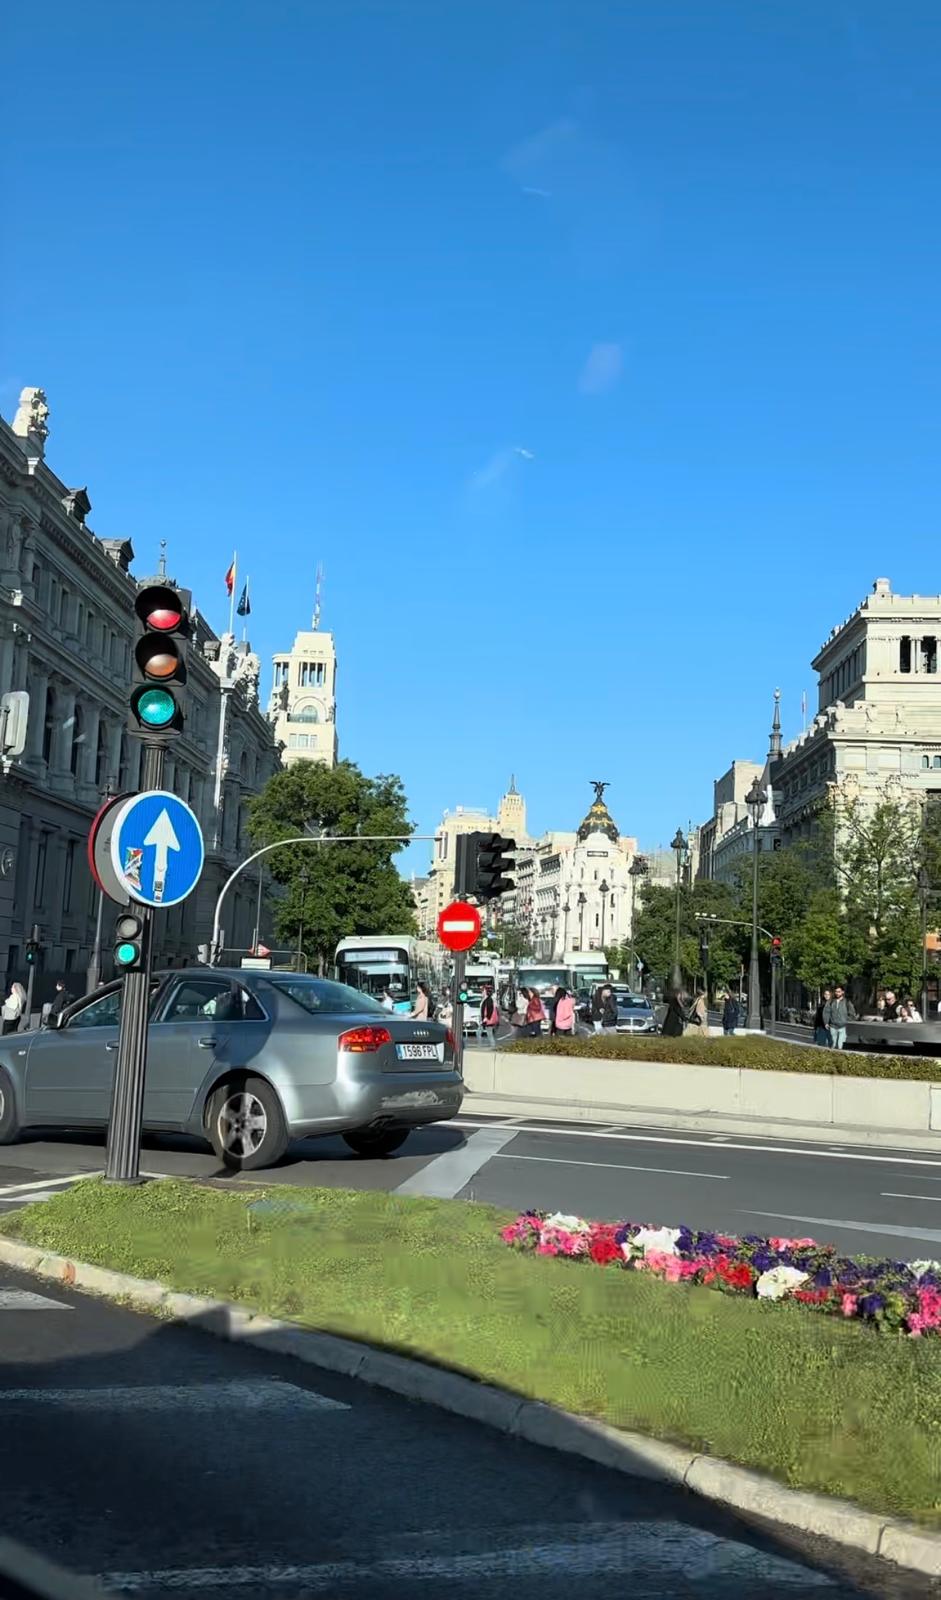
[230, 579]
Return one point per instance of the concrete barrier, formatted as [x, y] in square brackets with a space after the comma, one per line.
[808, 1105]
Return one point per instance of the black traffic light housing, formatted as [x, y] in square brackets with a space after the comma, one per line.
[33, 952]
[156, 709]
[482, 862]
[776, 951]
[131, 932]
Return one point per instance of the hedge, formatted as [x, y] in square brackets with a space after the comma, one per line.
[761, 1054]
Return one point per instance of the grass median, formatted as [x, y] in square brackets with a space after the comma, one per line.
[818, 1404]
[763, 1055]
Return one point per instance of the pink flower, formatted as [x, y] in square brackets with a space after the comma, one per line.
[848, 1304]
[928, 1315]
[792, 1244]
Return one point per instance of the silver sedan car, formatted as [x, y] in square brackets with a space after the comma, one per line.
[247, 1060]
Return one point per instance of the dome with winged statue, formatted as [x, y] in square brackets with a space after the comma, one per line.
[599, 818]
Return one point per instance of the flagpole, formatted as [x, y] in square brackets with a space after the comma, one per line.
[235, 579]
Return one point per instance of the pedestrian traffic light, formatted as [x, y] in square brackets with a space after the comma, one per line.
[33, 948]
[130, 947]
[158, 682]
[482, 863]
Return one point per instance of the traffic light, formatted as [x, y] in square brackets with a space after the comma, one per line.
[776, 954]
[481, 865]
[130, 942]
[158, 682]
[33, 948]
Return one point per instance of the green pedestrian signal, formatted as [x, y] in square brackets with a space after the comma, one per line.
[130, 950]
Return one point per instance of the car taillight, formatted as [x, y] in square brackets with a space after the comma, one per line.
[358, 1041]
[451, 1040]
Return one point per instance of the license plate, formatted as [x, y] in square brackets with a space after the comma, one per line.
[417, 1052]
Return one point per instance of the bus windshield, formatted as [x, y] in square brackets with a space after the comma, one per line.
[373, 970]
[543, 977]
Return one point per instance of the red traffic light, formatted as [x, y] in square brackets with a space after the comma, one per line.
[163, 619]
[775, 944]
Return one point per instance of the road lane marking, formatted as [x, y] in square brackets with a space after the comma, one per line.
[892, 1194]
[263, 1395]
[45, 1183]
[26, 1300]
[31, 1199]
[446, 1175]
[656, 1556]
[891, 1229]
[613, 1166]
[707, 1144]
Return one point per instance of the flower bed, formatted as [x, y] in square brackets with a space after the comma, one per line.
[759, 1053]
[899, 1295]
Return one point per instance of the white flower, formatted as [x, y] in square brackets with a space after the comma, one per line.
[647, 1239]
[921, 1267]
[568, 1224]
[779, 1281]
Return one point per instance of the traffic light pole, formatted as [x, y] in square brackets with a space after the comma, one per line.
[127, 1098]
[27, 1021]
[457, 1009]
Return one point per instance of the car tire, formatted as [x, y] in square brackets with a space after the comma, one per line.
[246, 1124]
[380, 1143]
[9, 1126]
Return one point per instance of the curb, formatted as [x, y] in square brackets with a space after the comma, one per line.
[904, 1543]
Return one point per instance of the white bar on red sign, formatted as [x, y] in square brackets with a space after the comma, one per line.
[459, 927]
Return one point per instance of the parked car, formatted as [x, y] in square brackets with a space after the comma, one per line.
[247, 1060]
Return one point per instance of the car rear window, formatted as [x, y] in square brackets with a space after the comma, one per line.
[323, 998]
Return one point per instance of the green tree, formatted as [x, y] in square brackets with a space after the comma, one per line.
[878, 849]
[654, 934]
[818, 952]
[333, 890]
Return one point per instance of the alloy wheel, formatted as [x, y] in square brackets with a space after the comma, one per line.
[243, 1124]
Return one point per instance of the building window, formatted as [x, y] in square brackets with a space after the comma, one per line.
[63, 607]
[122, 761]
[39, 883]
[49, 724]
[78, 739]
[929, 655]
[926, 762]
[68, 876]
[101, 755]
[905, 654]
[37, 578]
[936, 762]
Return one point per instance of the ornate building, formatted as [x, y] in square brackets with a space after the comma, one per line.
[303, 704]
[574, 889]
[66, 626]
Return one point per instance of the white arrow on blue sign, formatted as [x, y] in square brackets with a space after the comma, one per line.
[157, 848]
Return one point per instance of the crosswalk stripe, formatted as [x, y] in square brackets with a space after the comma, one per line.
[26, 1199]
[265, 1394]
[26, 1300]
[654, 1555]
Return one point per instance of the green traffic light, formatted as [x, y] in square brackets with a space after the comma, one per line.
[126, 954]
[156, 708]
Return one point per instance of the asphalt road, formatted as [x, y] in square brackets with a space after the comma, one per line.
[161, 1461]
[870, 1201]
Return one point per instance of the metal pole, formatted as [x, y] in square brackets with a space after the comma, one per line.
[754, 971]
[217, 787]
[772, 1026]
[25, 1021]
[256, 941]
[924, 951]
[457, 1009]
[300, 925]
[677, 978]
[633, 973]
[127, 1096]
[93, 970]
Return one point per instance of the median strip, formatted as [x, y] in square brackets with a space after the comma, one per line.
[421, 1296]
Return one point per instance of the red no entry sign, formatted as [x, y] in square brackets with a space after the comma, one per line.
[459, 926]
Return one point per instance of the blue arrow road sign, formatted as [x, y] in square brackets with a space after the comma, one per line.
[157, 848]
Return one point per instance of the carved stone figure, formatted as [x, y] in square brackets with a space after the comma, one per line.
[31, 417]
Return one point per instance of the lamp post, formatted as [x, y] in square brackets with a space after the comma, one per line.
[553, 914]
[924, 889]
[304, 878]
[677, 843]
[604, 891]
[637, 869]
[566, 908]
[756, 800]
[581, 903]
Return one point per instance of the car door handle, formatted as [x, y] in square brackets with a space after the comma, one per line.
[113, 1045]
[205, 1044]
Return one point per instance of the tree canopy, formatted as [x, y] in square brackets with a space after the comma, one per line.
[330, 891]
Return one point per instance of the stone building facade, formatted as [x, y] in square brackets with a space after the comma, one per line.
[303, 704]
[66, 627]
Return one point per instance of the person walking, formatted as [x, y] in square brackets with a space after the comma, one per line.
[675, 1019]
[821, 1030]
[489, 1015]
[731, 1016]
[13, 1007]
[61, 1000]
[387, 1001]
[564, 1013]
[609, 1009]
[697, 1017]
[597, 1008]
[836, 1014]
[421, 1010]
[518, 1017]
[890, 1010]
[535, 1015]
[445, 1010]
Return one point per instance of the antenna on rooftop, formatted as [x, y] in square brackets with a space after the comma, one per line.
[318, 595]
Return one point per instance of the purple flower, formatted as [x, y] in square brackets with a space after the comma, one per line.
[707, 1244]
[764, 1260]
[823, 1279]
[869, 1304]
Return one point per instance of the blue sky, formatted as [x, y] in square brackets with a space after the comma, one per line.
[594, 348]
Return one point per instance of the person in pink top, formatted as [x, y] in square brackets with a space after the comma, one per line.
[564, 1012]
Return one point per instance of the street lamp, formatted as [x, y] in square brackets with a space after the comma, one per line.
[304, 880]
[924, 889]
[581, 903]
[756, 800]
[553, 913]
[637, 869]
[677, 843]
[566, 908]
[604, 891]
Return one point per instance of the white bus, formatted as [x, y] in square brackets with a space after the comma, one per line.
[588, 968]
[374, 962]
